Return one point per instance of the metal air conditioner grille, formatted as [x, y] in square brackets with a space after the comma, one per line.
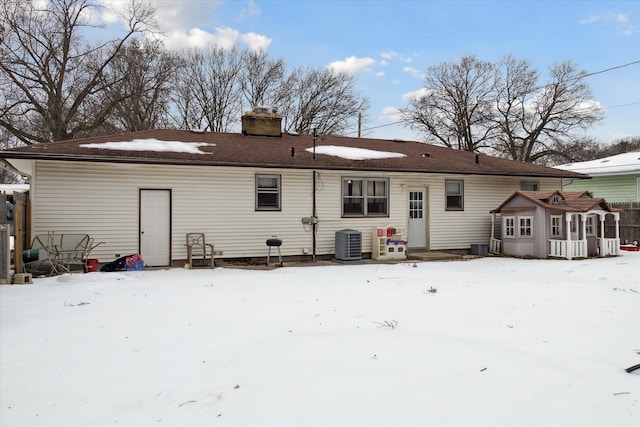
[348, 245]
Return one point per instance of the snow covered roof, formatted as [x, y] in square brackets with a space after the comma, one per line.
[352, 153]
[181, 147]
[151, 144]
[620, 164]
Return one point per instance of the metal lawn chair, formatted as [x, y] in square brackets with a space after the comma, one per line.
[199, 250]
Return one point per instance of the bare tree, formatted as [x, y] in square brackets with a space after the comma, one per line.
[145, 74]
[262, 79]
[50, 79]
[536, 122]
[457, 109]
[208, 93]
[498, 108]
[321, 99]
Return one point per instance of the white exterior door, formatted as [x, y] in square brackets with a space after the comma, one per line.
[155, 227]
[417, 233]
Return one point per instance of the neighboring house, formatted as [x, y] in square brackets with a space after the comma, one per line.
[559, 224]
[144, 191]
[615, 178]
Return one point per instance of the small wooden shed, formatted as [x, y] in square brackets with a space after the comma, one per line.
[556, 224]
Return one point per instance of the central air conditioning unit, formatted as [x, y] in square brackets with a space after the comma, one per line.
[348, 245]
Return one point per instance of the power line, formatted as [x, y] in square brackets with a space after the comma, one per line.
[610, 69]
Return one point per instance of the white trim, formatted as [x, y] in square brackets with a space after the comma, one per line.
[558, 226]
[529, 226]
[506, 235]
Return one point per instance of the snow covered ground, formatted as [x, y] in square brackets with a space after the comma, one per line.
[491, 341]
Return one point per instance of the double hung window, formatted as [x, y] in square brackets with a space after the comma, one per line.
[454, 190]
[365, 197]
[268, 189]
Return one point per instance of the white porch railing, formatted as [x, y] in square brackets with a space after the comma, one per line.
[609, 247]
[558, 248]
[495, 246]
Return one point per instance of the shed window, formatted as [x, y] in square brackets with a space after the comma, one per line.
[268, 192]
[454, 190]
[365, 197]
[525, 228]
[590, 230]
[509, 224]
[556, 225]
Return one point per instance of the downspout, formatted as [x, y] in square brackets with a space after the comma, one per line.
[314, 221]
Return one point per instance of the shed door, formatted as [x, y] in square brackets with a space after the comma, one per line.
[417, 233]
[155, 227]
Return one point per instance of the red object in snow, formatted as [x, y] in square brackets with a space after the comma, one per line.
[90, 265]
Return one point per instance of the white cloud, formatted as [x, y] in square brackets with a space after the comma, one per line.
[225, 37]
[352, 65]
[391, 114]
[589, 20]
[622, 18]
[252, 9]
[393, 55]
[182, 24]
[389, 55]
[256, 41]
[379, 74]
[416, 94]
[413, 72]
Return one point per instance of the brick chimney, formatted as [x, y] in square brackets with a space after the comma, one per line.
[262, 122]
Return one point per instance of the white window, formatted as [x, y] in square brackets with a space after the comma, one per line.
[268, 192]
[365, 197]
[589, 226]
[556, 225]
[454, 190]
[509, 226]
[525, 226]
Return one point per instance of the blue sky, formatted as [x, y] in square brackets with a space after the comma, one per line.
[388, 44]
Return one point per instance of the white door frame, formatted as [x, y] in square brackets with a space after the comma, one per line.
[423, 241]
[160, 252]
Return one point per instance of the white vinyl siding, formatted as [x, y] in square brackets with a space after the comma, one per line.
[103, 200]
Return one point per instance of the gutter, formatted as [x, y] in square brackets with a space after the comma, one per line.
[140, 160]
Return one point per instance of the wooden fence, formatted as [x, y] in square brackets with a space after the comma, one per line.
[5, 260]
[629, 221]
[21, 229]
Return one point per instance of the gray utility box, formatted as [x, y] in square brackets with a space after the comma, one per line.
[348, 245]
[479, 249]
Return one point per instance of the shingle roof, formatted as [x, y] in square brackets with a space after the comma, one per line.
[573, 201]
[288, 151]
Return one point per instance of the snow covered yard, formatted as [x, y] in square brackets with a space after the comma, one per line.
[492, 341]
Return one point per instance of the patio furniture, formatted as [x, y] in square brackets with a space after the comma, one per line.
[59, 253]
[200, 251]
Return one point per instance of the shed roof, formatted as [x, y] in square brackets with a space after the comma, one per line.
[569, 201]
[288, 151]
